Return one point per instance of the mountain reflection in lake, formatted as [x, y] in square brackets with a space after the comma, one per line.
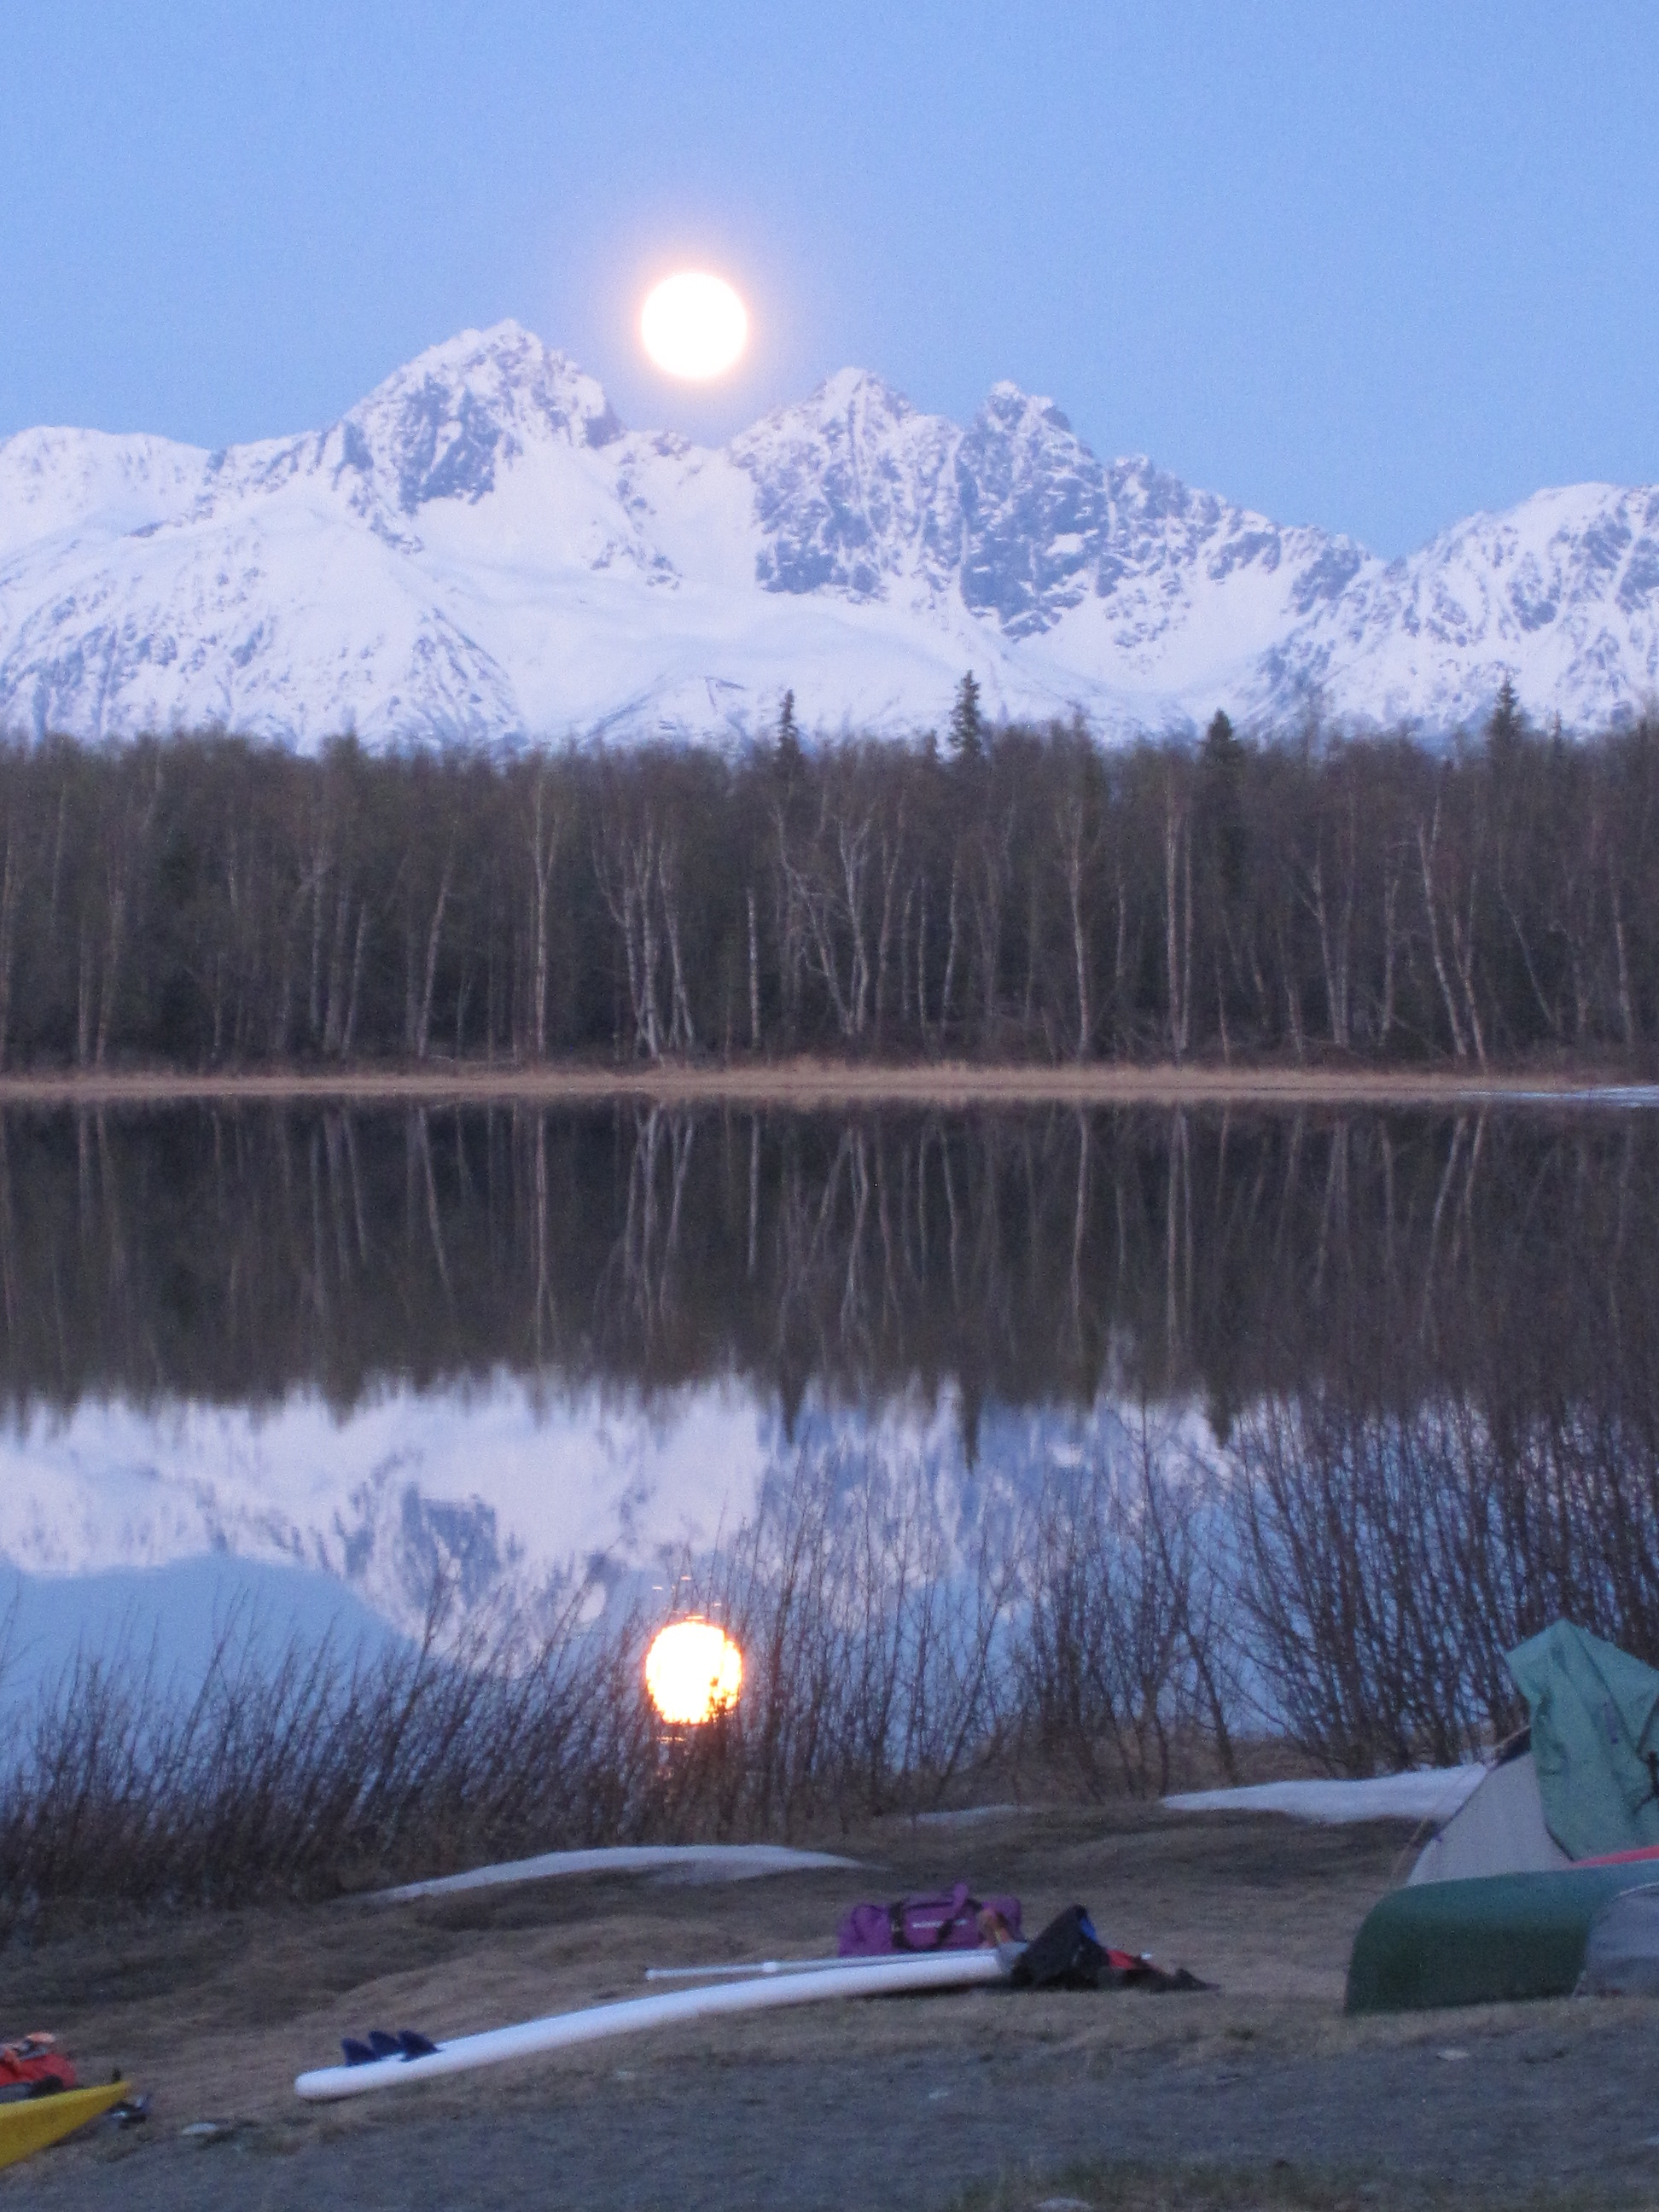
[507, 1344]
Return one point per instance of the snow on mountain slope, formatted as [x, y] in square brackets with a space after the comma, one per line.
[1561, 594]
[478, 551]
[58, 484]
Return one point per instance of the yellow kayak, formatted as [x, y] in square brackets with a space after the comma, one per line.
[38, 2121]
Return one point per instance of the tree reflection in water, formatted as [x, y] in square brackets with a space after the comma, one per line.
[1423, 1348]
[1032, 1256]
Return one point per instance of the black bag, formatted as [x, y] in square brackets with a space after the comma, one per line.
[1069, 1955]
[1066, 1955]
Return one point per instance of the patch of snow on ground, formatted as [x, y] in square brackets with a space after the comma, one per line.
[1428, 1793]
[710, 1862]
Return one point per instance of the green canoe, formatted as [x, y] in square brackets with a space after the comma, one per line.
[1484, 1941]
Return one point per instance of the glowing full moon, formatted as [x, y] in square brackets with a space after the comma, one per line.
[693, 1671]
[693, 325]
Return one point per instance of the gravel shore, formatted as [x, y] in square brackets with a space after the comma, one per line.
[1259, 2092]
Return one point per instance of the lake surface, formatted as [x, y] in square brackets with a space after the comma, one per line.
[308, 1360]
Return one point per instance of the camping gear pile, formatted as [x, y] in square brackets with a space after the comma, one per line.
[943, 1941]
[32, 2066]
[1547, 1878]
[1070, 1955]
[41, 2102]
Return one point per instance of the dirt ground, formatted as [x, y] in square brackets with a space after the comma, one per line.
[809, 1085]
[1259, 2093]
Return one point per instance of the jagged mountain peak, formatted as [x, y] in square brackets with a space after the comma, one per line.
[855, 389]
[440, 427]
[847, 490]
[1008, 403]
[1035, 515]
[501, 363]
[852, 408]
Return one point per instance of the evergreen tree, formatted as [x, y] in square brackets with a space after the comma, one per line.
[1221, 765]
[788, 735]
[1506, 724]
[967, 729]
[1223, 752]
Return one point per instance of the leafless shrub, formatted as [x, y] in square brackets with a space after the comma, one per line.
[886, 1664]
[1345, 1550]
[1126, 1660]
[876, 1671]
[876, 1657]
[1554, 1513]
[1388, 1563]
[317, 1772]
[1349, 1580]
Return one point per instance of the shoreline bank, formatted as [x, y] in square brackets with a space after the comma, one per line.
[811, 1085]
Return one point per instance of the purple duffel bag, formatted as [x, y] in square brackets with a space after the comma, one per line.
[941, 1920]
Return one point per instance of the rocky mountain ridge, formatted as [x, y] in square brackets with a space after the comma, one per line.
[479, 551]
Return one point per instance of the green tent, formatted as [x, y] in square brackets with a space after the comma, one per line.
[1485, 1915]
[1595, 1714]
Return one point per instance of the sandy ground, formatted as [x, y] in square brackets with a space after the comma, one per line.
[809, 1086]
[1259, 2092]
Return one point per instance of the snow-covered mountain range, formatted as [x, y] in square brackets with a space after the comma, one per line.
[479, 551]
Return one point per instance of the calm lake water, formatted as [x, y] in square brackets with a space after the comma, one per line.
[309, 1359]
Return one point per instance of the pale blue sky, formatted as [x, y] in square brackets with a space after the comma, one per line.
[1367, 266]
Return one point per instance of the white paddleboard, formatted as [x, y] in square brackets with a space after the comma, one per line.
[942, 1970]
[765, 1967]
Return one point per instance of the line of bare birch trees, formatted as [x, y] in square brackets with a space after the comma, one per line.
[207, 901]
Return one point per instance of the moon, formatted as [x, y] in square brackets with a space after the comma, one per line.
[694, 326]
[693, 1671]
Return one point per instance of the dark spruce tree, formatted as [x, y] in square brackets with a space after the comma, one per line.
[967, 728]
[1506, 724]
[1221, 772]
[788, 734]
